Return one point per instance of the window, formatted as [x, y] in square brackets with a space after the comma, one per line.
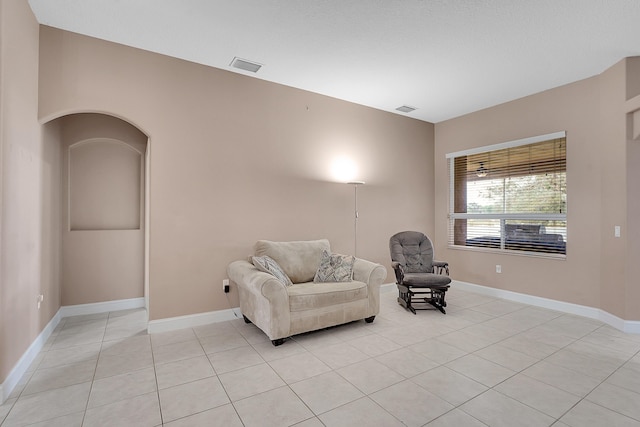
[510, 196]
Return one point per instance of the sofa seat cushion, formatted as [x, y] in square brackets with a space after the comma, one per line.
[426, 280]
[307, 296]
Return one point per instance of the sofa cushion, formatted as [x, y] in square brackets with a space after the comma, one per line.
[268, 265]
[308, 296]
[334, 268]
[299, 260]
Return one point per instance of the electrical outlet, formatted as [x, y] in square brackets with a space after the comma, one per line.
[498, 268]
[616, 231]
[225, 286]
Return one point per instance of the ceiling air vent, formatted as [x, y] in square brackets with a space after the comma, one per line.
[243, 64]
[406, 109]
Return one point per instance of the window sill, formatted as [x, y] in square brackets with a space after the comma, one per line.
[558, 257]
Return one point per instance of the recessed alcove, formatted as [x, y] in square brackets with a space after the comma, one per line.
[105, 179]
[103, 227]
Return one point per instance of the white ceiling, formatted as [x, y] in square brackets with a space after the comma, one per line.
[444, 57]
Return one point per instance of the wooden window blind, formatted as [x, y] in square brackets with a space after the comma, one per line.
[510, 196]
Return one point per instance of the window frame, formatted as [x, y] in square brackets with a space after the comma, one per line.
[502, 217]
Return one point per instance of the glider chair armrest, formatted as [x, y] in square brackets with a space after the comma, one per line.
[441, 266]
[398, 269]
[263, 299]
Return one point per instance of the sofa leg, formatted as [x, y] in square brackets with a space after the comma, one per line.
[277, 342]
[369, 319]
[246, 319]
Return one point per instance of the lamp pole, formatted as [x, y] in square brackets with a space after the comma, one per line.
[355, 214]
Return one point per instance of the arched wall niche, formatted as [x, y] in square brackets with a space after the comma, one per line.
[104, 121]
[103, 203]
[105, 185]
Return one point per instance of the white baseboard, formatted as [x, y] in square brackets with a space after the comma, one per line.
[6, 388]
[192, 320]
[101, 307]
[628, 326]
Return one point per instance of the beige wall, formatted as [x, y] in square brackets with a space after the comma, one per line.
[593, 113]
[236, 159]
[30, 188]
[632, 297]
[613, 197]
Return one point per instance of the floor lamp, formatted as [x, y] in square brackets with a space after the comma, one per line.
[355, 214]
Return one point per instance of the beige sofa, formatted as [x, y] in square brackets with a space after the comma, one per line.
[281, 311]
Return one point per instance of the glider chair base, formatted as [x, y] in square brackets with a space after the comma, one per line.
[434, 299]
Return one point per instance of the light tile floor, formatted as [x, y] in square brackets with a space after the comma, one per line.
[488, 362]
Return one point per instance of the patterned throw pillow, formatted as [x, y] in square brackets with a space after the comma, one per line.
[334, 268]
[268, 265]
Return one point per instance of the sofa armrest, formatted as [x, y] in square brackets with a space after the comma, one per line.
[263, 299]
[244, 274]
[368, 272]
[373, 275]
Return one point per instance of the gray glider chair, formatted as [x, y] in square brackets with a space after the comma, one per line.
[420, 279]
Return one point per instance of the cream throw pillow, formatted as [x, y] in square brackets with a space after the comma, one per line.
[334, 268]
[268, 265]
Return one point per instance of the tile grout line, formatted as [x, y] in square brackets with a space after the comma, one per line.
[582, 398]
[155, 376]
[93, 379]
[217, 377]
